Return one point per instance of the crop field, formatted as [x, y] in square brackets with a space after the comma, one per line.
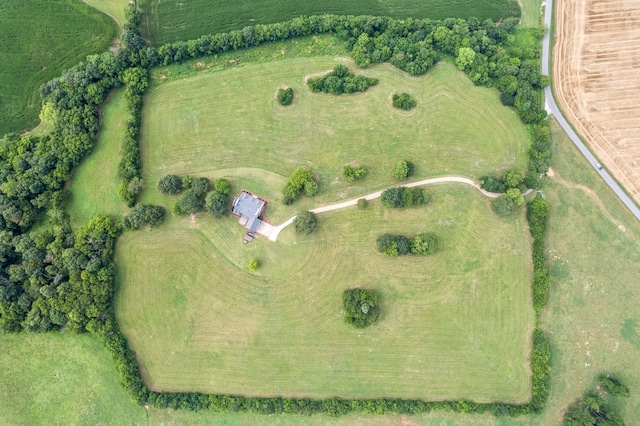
[456, 325]
[38, 39]
[94, 184]
[229, 124]
[171, 20]
[597, 74]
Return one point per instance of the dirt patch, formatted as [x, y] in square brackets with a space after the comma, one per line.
[550, 172]
[597, 80]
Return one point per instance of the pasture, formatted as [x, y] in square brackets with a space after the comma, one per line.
[39, 39]
[61, 379]
[169, 21]
[454, 325]
[94, 184]
[229, 124]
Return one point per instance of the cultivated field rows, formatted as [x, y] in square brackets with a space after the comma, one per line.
[597, 80]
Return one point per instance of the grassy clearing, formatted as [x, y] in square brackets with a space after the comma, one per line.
[38, 39]
[454, 325]
[94, 183]
[168, 21]
[530, 13]
[229, 124]
[113, 8]
[61, 379]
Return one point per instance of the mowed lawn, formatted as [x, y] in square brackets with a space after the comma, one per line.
[94, 183]
[39, 39]
[228, 123]
[455, 325]
[168, 21]
[61, 379]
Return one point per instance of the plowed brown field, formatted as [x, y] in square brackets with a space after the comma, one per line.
[597, 80]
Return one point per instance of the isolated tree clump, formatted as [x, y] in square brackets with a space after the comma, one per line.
[404, 197]
[285, 96]
[340, 81]
[305, 222]
[142, 214]
[403, 101]
[361, 307]
[300, 180]
[352, 173]
[403, 169]
[217, 203]
[399, 245]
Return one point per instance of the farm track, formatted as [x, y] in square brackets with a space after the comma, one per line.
[374, 195]
[597, 81]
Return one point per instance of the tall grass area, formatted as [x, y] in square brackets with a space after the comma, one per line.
[61, 379]
[171, 20]
[38, 39]
[455, 325]
[94, 183]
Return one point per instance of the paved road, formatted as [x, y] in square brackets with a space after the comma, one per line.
[352, 202]
[552, 108]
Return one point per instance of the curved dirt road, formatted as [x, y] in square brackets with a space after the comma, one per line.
[374, 195]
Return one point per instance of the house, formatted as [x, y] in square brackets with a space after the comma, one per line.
[249, 208]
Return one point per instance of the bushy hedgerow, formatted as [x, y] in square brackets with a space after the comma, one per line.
[403, 101]
[595, 407]
[340, 81]
[352, 173]
[404, 197]
[399, 245]
[300, 180]
[285, 96]
[361, 307]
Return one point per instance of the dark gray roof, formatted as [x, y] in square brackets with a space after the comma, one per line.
[246, 205]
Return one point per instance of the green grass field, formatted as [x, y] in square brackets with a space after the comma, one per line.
[38, 39]
[168, 21]
[229, 124]
[455, 325]
[94, 183]
[113, 8]
[530, 13]
[61, 379]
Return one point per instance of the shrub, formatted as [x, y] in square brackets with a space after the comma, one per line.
[491, 183]
[403, 101]
[403, 169]
[512, 178]
[353, 173]
[305, 223]
[301, 179]
[285, 96]
[253, 265]
[363, 203]
[537, 212]
[200, 186]
[503, 206]
[361, 308]
[170, 184]
[507, 99]
[340, 81]
[424, 244]
[190, 202]
[141, 214]
[129, 198]
[222, 186]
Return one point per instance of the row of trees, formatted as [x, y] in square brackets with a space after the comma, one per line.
[399, 245]
[196, 195]
[537, 213]
[404, 197]
[340, 81]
